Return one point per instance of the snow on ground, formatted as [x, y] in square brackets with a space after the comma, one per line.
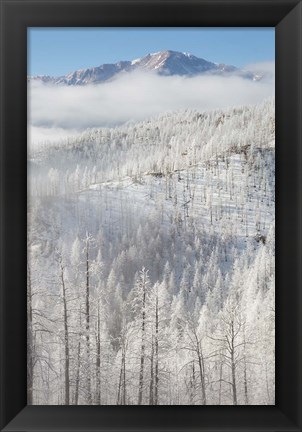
[193, 213]
[222, 198]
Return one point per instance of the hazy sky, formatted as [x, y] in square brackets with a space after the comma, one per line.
[57, 51]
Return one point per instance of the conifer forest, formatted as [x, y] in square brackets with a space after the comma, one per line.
[151, 262]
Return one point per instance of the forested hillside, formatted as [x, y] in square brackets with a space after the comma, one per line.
[151, 262]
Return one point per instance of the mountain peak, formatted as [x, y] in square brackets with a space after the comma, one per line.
[166, 63]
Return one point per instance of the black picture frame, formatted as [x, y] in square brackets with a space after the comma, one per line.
[16, 16]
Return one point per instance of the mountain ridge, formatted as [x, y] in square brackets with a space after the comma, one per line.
[164, 63]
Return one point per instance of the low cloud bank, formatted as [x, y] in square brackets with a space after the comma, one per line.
[56, 112]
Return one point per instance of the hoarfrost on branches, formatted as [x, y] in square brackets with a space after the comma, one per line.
[151, 263]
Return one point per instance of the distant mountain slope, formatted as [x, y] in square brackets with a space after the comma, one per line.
[169, 142]
[167, 63]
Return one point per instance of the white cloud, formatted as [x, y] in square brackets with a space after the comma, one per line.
[60, 111]
[266, 68]
[50, 135]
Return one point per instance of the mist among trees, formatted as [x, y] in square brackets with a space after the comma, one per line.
[151, 262]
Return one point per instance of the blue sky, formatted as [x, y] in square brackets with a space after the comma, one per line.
[57, 51]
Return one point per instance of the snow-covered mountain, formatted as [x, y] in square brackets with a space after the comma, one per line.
[167, 63]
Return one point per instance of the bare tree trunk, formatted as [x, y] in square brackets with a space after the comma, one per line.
[66, 337]
[202, 381]
[234, 390]
[98, 360]
[220, 381]
[121, 397]
[233, 366]
[124, 379]
[142, 361]
[89, 398]
[201, 367]
[30, 345]
[267, 386]
[192, 385]
[151, 395]
[156, 353]
[118, 402]
[141, 372]
[245, 385]
[77, 381]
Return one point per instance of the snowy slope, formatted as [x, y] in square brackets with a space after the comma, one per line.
[187, 199]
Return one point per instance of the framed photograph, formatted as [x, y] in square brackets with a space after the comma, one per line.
[150, 238]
